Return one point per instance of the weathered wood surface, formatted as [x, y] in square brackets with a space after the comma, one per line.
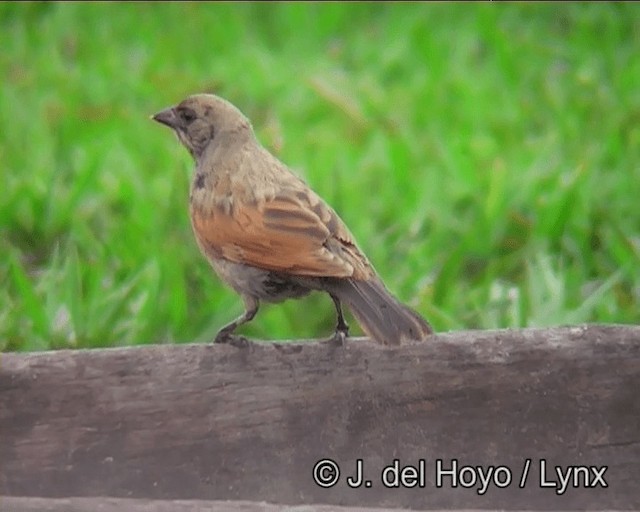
[218, 423]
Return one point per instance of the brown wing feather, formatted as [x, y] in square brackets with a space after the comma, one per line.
[296, 233]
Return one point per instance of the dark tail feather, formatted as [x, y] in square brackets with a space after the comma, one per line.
[379, 313]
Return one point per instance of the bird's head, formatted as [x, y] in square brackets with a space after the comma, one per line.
[202, 118]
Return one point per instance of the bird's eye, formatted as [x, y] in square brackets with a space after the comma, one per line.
[187, 115]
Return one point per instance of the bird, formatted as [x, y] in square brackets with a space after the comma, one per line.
[268, 235]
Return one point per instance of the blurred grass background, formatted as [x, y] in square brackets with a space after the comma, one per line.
[486, 157]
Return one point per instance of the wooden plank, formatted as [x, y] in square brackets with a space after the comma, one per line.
[218, 423]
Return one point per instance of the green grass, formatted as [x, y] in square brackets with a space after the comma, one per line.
[486, 157]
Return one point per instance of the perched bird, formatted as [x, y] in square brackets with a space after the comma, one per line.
[268, 235]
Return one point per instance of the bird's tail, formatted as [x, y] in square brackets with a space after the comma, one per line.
[379, 313]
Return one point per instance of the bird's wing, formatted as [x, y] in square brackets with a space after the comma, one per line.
[294, 232]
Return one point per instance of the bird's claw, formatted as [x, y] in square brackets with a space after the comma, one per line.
[338, 339]
[233, 340]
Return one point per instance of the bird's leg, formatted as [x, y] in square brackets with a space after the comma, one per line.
[225, 335]
[342, 328]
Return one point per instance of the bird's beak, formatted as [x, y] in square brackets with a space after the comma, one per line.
[167, 116]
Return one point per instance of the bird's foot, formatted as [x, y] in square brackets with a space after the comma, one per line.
[233, 340]
[338, 339]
